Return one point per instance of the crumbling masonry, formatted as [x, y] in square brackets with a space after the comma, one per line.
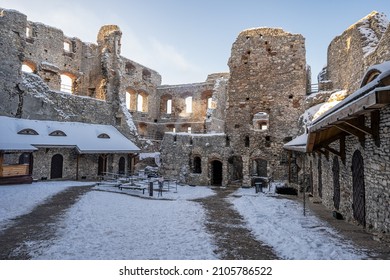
[228, 130]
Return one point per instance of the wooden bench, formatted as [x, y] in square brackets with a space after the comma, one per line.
[132, 187]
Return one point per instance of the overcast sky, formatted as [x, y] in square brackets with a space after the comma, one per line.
[187, 40]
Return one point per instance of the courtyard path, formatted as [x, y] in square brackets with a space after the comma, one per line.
[38, 225]
[232, 237]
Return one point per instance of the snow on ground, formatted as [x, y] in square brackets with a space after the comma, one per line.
[114, 226]
[280, 223]
[108, 225]
[16, 200]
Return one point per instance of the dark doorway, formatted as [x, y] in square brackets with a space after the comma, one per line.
[102, 165]
[259, 167]
[336, 183]
[235, 168]
[358, 186]
[56, 166]
[216, 173]
[122, 166]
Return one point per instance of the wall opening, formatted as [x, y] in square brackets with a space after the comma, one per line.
[188, 102]
[66, 83]
[260, 121]
[142, 102]
[28, 67]
[197, 165]
[122, 166]
[56, 166]
[259, 167]
[235, 168]
[358, 188]
[216, 173]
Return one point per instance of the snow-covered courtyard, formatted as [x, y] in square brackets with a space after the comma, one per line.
[109, 225]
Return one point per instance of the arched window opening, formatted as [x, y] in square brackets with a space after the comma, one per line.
[189, 129]
[197, 165]
[260, 121]
[104, 136]
[66, 83]
[28, 131]
[57, 133]
[188, 102]
[142, 102]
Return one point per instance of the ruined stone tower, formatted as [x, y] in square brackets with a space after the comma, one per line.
[265, 95]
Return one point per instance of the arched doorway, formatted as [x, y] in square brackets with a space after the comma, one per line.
[216, 173]
[122, 165]
[336, 183]
[358, 187]
[56, 166]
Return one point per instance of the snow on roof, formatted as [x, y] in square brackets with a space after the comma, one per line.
[82, 136]
[384, 68]
[297, 144]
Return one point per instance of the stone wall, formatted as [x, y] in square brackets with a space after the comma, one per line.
[357, 48]
[376, 177]
[267, 77]
[178, 152]
[100, 75]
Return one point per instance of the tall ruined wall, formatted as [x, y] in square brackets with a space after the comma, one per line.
[215, 119]
[100, 75]
[357, 48]
[12, 45]
[267, 81]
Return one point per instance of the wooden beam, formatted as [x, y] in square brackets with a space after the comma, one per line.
[359, 124]
[350, 130]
